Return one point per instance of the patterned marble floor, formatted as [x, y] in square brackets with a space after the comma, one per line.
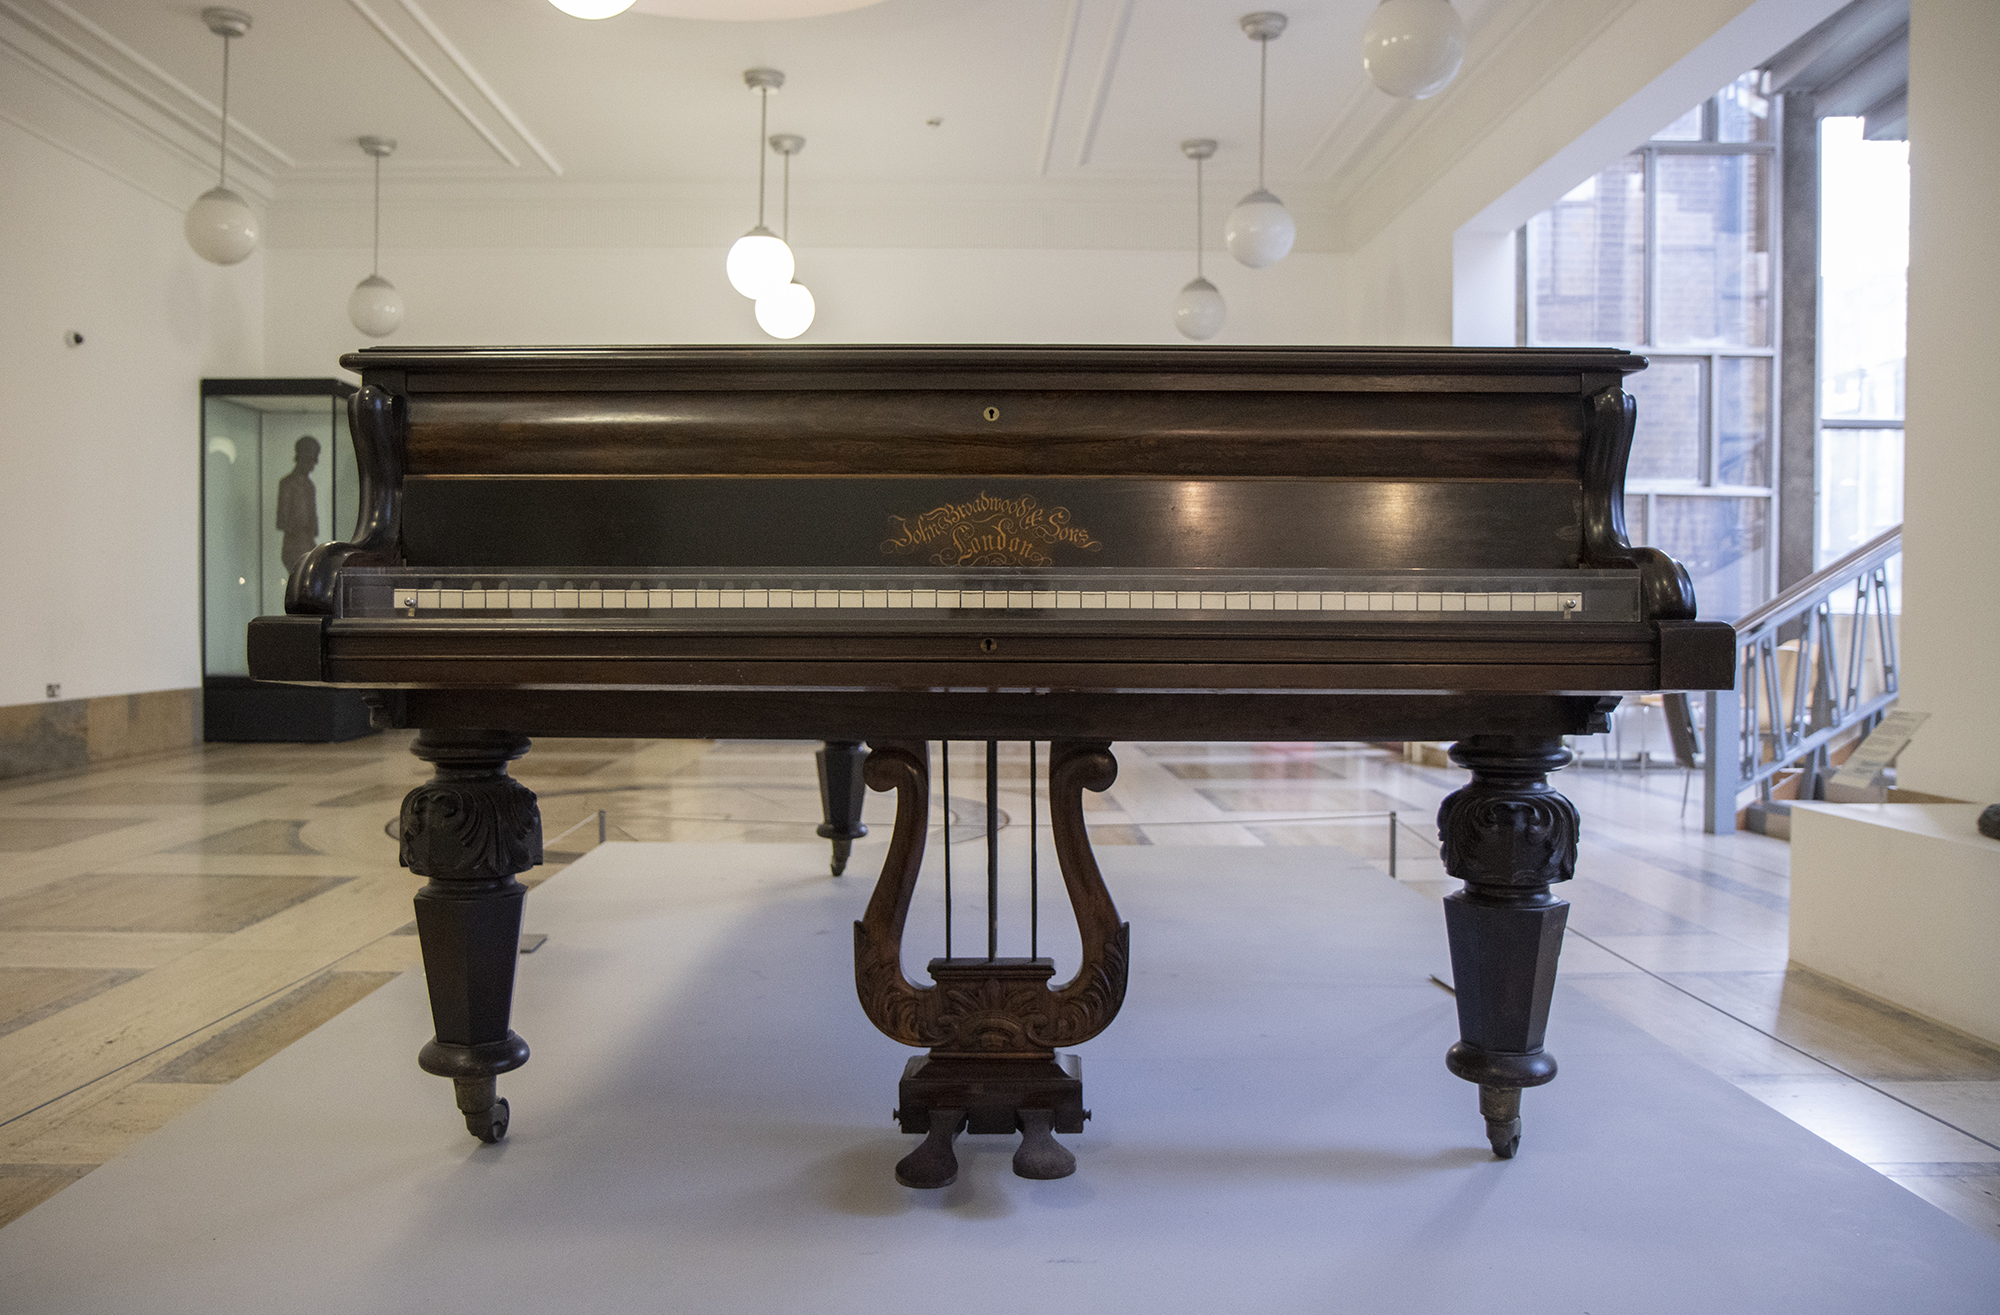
[166, 925]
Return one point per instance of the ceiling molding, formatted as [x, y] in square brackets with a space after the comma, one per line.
[1107, 72]
[1070, 27]
[416, 61]
[94, 65]
[472, 75]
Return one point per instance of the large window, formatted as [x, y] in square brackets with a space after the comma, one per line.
[1864, 264]
[1669, 252]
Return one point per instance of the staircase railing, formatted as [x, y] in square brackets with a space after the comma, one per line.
[1800, 683]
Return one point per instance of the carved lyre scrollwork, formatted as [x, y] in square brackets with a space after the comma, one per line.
[996, 1009]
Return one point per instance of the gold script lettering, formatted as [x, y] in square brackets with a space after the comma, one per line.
[989, 531]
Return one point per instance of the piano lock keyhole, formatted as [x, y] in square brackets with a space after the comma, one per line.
[988, 645]
[991, 413]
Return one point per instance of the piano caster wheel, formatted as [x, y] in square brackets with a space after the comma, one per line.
[1502, 1108]
[934, 1164]
[841, 849]
[485, 1112]
[1040, 1155]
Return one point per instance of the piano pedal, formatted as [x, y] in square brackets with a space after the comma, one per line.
[1502, 1108]
[935, 1163]
[1040, 1155]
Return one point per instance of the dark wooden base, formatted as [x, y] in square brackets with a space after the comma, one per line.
[992, 1093]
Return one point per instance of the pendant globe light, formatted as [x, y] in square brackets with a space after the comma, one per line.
[1199, 311]
[375, 306]
[592, 8]
[220, 227]
[1412, 48]
[786, 311]
[760, 262]
[1260, 230]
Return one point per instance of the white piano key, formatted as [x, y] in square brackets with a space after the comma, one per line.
[1262, 600]
[708, 598]
[679, 598]
[1187, 600]
[875, 598]
[1285, 600]
[925, 598]
[952, 598]
[823, 598]
[451, 600]
[1212, 600]
[1381, 602]
[588, 599]
[1452, 602]
[1069, 598]
[429, 600]
[1548, 603]
[1142, 600]
[1236, 602]
[780, 597]
[543, 600]
[731, 598]
[1092, 600]
[659, 598]
[566, 598]
[1430, 602]
[1405, 602]
[519, 599]
[757, 598]
[1477, 603]
[852, 597]
[1042, 598]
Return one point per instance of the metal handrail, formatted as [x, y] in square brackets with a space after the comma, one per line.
[1777, 720]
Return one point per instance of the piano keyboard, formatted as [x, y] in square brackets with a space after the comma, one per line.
[419, 601]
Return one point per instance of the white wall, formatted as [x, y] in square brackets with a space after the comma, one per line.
[636, 295]
[99, 472]
[1951, 473]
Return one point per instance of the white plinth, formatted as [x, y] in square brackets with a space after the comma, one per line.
[1903, 902]
[704, 1129]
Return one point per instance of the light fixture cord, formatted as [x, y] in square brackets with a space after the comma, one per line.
[1197, 218]
[786, 222]
[1263, 68]
[222, 166]
[763, 122]
[375, 265]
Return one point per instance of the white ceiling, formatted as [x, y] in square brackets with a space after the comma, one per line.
[1063, 92]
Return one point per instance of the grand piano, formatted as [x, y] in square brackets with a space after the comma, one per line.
[900, 546]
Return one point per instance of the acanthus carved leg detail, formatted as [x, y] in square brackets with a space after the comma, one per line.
[992, 1025]
[1507, 836]
[470, 829]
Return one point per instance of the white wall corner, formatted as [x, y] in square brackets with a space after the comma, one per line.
[1482, 289]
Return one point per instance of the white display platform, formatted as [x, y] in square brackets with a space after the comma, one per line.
[1903, 902]
[705, 1128]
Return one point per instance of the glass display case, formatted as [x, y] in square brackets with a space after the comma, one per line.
[278, 477]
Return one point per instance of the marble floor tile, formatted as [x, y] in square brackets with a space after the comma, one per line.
[28, 994]
[236, 1050]
[1852, 1031]
[1719, 1044]
[1867, 1124]
[98, 949]
[23, 834]
[1699, 951]
[107, 1127]
[544, 765]
[1971, 1106]
[272, 764]
[1302, 797]
[116, 902]
[390, 793]
[271, 836]
[1283, 769]
[153, 794]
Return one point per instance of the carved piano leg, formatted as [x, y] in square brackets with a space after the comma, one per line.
[1507, 836]
[470, 829]
[841, 791]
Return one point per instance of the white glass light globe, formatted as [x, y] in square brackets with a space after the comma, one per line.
[375, 306]
[1260, 230]
[592, 8]
[220, 227]
[1199, 311]
[787, 312]
[1413, 48]
[759, 263]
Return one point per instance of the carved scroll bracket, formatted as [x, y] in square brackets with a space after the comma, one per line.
[380, 423]
[1665, 592]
